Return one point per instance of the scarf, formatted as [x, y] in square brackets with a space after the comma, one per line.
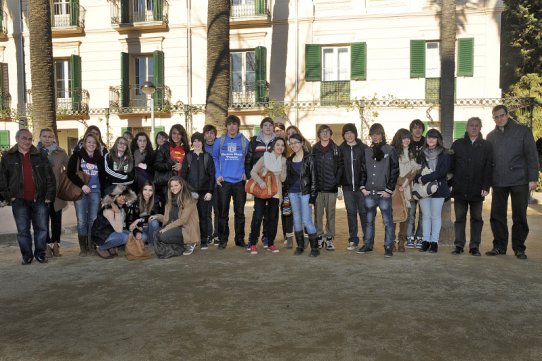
[49, 151]
[94, 158]
[327, 147]
[378, 153]
[431, 156]
[272, 163]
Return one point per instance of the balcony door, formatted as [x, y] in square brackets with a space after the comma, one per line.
[63, 84]
[61, 13]
[243, 77]
[241, 8]
[143, 10]
[143, 71]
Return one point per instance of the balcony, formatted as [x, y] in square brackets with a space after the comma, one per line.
[132, 100]
[249, 13]
[67, 19]
[4, 27]
[252, 95]
[127, 15]
[335, 93]
[5, 106]
[69, 103]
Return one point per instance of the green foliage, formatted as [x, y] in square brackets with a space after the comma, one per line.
[529, 86]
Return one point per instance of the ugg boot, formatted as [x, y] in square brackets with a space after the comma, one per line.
[289, 240]
[48, 251]
[315, 251]
[299, 239]
[56, 249]
[83, 245]
[91, 246]
[401, 244]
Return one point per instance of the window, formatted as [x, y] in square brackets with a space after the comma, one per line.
[249, 76]
[68, 83]
[241, 8]
[432, 59]
[142, 71]
[425, 58]
[336, 63]
[5, 98]
[62, 79]
[143, 10]
[61, 11]
[137, 69]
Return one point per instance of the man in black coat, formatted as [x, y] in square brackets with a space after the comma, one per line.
[472, 164]
[515, 172]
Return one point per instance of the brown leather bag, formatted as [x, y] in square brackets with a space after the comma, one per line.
[135, 249]
[254, 188]
[68, 191]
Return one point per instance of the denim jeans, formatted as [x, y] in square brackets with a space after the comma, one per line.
[355, 205]
[411, 229]
[117, 239]
[476, 222]
[371, 202]
[225, 193]
[25, 214]
[302, 212]
[86, 210]
[150, 230]
[267, 209]
[54, 230]
[431, 218]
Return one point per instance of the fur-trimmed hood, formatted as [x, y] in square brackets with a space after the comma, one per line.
[116, 191]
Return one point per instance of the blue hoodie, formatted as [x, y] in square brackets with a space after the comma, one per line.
[230, 160]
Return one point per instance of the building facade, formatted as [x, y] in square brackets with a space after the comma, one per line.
[304, 62]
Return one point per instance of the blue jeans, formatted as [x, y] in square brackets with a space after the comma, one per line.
[431, 218]
[86, 210]
[371, 202]
[149, 230]
[116, 239]
[37, 214]
[302, 212]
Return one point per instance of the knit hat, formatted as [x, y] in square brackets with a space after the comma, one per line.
[197, 136]
[349, 127]
[433, 133]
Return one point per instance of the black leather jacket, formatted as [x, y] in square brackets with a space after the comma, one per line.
[328, 166]
[354, 165]
[307, 176]
[11, 175]
[199, 171]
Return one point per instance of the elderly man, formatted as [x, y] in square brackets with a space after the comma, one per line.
[27, 181]
[472, 164]
[515, 172]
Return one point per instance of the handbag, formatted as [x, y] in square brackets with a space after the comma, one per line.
[67, 190]
[399, 207]
[135, 249]
[420, 191]
[270, 190]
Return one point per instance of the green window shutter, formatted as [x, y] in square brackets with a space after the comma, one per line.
[459, 129]
[159, 128]
[4, 86]
[75, 75]
[124, 80]
[313, 62]
[358, 66]
[124, 11]
[158, 10]
[158, 64]
[74, 12]
[465, 57]
[427, 127]
[417, 58]
[261, 74]
[358, 59]
[261, 7]
[4, 139]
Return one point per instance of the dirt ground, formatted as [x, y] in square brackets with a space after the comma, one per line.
[229, 305]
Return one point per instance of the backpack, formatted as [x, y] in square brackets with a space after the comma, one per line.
[206, 156]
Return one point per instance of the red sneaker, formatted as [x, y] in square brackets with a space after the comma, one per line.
[253, 250]
[273, 249]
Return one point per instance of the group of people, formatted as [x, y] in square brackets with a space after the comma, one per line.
[167, 196]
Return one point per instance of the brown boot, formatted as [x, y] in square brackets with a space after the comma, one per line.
[401, 244]
[103, 254]
[56, 249]
[91, 246]
[48, 251]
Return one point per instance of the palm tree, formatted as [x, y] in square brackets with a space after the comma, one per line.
[41, 65]
[218, 62]
[447, 69]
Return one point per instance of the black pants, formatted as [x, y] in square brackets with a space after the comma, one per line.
[225, 193]
[55, 228]
[355, 207]
[268, 209]
[499, 205]
[476, 222]
[212, 227]
[204, 212]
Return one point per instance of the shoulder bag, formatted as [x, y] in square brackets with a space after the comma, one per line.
[68, 191]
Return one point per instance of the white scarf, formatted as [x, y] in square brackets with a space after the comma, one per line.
[272, 163]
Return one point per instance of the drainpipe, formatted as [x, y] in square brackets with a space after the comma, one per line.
[21, 89]
[296, 65]
[188, 115]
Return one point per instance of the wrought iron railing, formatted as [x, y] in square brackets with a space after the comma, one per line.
[249, 9]
[67, 15]
[132, 99]
[139, 11]
[335, 93]
[252, 93]
[67, 101]
[4, 25]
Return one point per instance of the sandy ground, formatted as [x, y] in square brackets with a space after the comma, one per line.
[229, 305]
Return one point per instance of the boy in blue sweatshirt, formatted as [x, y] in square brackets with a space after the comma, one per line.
[229, 153]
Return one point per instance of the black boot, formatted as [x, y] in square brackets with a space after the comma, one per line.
[300, 243]
[91, 246]
[315, 252]
[83, 245]
[433, 247]
[425, 246]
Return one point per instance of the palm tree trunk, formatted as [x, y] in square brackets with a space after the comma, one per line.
[218, 62]
[41, 65]
[447, 69]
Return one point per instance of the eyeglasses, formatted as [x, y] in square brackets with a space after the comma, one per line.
[294, 143]
[324, 132]
[25, 138]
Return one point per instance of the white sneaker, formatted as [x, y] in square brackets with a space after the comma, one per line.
[352, 246]
[189, 249]
[329, 244]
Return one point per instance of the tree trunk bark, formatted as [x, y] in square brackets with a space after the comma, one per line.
[218, 62]
[42, 66]
[447, 69]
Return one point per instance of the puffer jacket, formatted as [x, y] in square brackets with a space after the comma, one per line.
[354, 165]
[11, 175]
[382, 175]
[515, 159]
[199, 171]
[256, 148]
[307, 176]
[472, 168]
[329, 167]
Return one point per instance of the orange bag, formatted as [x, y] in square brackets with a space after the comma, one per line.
[254, 188]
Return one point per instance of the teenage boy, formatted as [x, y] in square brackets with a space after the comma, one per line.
[209, 134]
[377, 186]
[353, 152]
[328, 164]
[229, 153]
[417, 128]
